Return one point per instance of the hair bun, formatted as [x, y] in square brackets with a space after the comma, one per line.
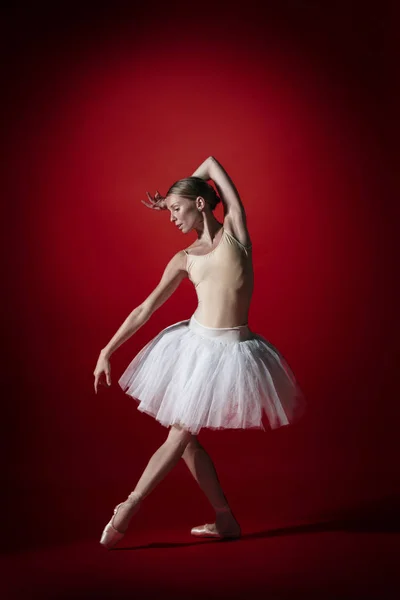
[215, 199]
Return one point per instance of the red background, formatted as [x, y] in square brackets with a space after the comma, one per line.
[295, 104]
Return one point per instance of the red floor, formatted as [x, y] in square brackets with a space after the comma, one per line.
[332, 560]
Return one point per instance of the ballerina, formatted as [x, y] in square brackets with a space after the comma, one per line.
[208, 371]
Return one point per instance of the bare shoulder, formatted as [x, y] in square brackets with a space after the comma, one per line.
[173, 274]
[177, 263]
[236, 225]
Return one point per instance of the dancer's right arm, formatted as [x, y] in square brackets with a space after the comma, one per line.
[174, 273]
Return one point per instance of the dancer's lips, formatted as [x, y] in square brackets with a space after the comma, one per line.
[180, 225]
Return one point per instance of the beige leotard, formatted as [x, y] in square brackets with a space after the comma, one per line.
[224, 282]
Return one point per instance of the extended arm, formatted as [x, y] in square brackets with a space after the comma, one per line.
[234, 212]
[174, 273]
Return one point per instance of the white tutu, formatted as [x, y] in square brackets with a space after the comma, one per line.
[196, 376]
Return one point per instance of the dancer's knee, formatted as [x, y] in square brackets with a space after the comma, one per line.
[179, 436]
[192, 445]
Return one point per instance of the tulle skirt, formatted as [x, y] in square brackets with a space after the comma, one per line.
[219, 378]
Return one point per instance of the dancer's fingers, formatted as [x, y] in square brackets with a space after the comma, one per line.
[150, 197]
[153, 206]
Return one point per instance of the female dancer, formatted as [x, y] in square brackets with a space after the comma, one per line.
[210, 370]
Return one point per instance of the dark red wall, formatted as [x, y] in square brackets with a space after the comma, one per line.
[100, 107]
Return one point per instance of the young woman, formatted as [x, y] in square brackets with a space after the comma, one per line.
[210, 370]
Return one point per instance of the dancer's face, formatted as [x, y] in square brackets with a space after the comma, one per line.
[184, 212]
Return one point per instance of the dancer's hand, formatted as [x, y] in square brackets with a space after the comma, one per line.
[157, 203]
[102, 371]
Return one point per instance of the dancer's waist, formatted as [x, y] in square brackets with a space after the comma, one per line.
[237, 333]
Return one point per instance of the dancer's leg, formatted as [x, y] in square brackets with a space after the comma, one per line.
[162, 461]
[202, 468]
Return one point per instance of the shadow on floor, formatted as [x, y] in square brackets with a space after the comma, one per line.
[378, 516]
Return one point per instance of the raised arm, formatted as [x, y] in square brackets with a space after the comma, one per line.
[234, 212]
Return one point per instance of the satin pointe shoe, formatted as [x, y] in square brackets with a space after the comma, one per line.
[208, 531]
[111, 536]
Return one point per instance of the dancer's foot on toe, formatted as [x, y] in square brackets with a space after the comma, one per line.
[125, 512]
[115, 529]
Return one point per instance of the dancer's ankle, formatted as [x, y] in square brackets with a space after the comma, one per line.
[222, 510]
[134, 497]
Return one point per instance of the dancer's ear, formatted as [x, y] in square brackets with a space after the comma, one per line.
[200, 203]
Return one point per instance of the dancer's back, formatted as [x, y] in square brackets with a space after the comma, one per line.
[224, 282]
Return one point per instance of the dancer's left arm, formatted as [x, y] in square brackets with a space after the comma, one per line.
[234, 212]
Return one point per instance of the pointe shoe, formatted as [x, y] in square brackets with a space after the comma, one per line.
[111, 536]
[207, 531]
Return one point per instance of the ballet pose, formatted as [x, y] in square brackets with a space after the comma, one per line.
[210, 370]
